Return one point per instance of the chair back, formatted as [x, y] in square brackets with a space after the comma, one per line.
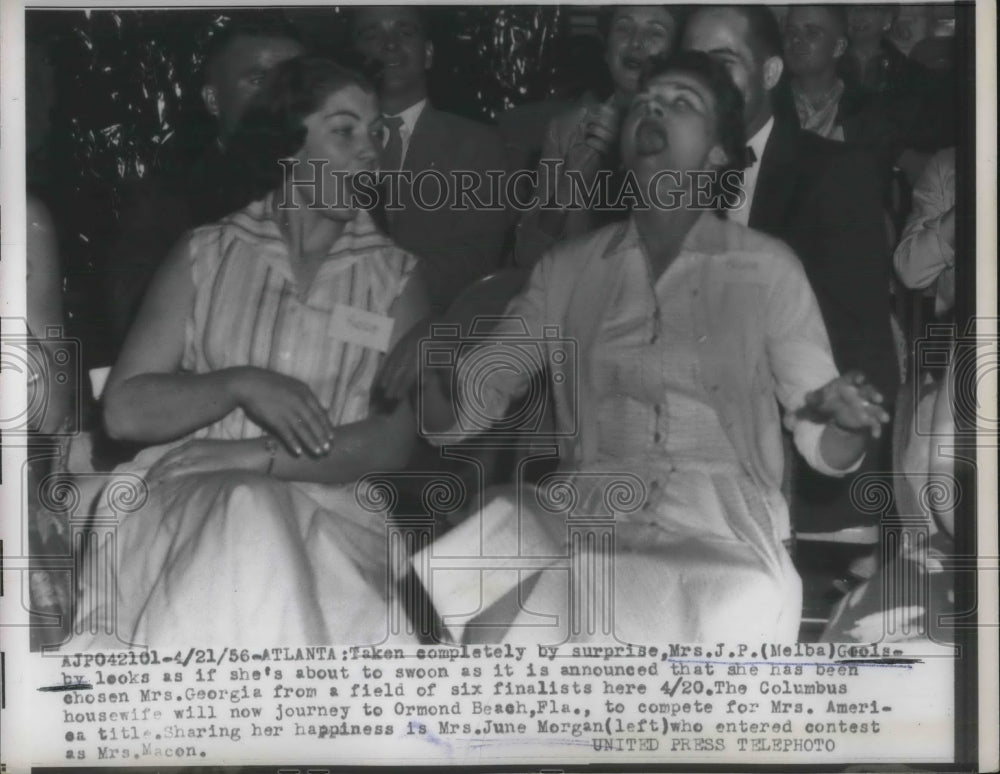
[485, 298]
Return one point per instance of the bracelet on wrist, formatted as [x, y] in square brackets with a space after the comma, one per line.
[271, 447]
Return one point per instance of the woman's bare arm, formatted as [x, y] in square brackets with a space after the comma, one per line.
[382, 441]
[149, 399]
[146, 397]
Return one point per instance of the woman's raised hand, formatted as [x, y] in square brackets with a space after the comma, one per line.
[851, 403]
[601, 127]
[598, 134]
[284, 406]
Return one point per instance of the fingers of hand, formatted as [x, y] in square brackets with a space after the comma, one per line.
[855, 412]
[600, 138]
[172, 471]
[303, 425]
[867, 402]
[308, 421]
[170, 465]
[869, 393]
[285, 430]
[604, 116]
[323, 425]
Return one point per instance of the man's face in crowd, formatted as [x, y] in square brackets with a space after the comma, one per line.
[724, 34]
[814, 40]
[238, 72]
[671, 125]
[394, 37]
[637, 33]
[868, 23]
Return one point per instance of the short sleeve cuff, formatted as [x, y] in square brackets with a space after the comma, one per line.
[807, 439]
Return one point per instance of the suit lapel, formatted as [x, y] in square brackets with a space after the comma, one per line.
[420, 155]
[427, 136]
[775, 190]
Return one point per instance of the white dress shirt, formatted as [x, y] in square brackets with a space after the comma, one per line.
[924, 258]
[758, 142]
[410, 117]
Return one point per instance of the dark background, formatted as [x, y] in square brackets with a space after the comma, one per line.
[114, 96]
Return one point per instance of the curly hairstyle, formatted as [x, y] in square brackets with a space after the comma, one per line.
[729, 127]
[273, 126]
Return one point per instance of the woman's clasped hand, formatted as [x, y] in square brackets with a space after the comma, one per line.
[207, 455]
[285, 406]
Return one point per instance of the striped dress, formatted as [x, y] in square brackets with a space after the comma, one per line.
[240, 557]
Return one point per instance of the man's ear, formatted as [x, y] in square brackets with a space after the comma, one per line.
[840, 48]
[211, 100]
[773, 68]
[428, 55]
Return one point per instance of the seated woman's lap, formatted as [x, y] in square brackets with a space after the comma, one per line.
[672, 590]
[234, 556]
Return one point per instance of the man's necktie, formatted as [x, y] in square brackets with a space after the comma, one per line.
[392, 153]
[750, 156]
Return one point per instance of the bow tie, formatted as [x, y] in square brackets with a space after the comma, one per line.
[750, 156]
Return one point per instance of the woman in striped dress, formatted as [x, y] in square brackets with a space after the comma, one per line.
[250, 366]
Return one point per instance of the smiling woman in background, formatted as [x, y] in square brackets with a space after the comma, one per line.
[585, 139]
[691, 329]
[250, 368]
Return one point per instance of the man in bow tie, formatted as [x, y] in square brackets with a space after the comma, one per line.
[823, 199]
[456, 247]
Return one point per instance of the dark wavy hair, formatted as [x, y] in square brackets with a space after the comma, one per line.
[273, 125]
[839, 15]
[268, 26]
[606, 15]
[728, 99]
[765, 32]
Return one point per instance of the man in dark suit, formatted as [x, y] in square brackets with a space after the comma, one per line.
[455, 247]
[823, 199]
[815, 42]
[191, 193]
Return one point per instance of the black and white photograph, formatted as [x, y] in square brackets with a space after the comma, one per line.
[495, 385]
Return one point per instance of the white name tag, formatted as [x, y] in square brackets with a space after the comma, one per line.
[358, 326]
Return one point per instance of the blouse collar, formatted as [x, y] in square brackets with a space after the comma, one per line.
[259, 220]
[705, 236]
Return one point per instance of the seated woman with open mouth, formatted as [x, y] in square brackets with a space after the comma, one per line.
[691, 330]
